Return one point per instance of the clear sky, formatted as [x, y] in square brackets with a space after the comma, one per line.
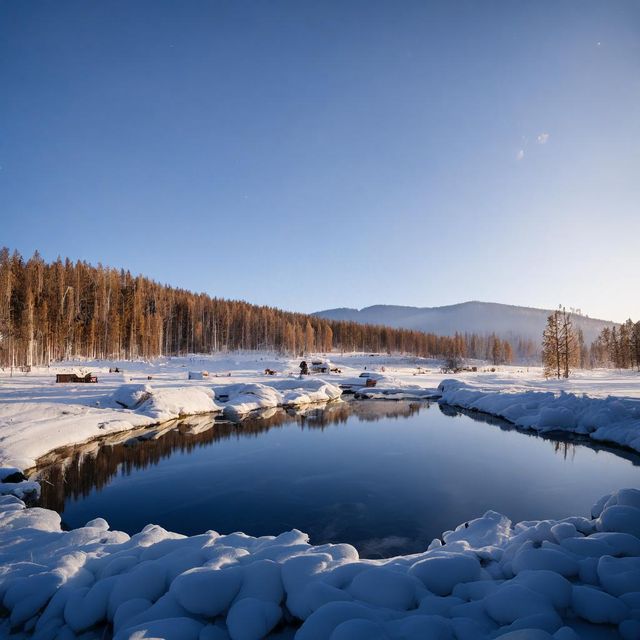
[338, 153]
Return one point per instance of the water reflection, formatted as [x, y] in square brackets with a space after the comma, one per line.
[563, 443]
[74, 472]
[386, 476]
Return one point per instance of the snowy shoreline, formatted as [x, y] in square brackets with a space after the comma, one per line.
[570, 578]
[610, 420]
[132, 406]
[573, 578]
[37, 416]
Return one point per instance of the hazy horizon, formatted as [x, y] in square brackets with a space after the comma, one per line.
[311, 157]
[462, 302]
[344, 306]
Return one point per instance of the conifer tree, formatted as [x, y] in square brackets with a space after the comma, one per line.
[59, 310]
[496, 349]
[551, 347]
[560, 348]
[569, 349]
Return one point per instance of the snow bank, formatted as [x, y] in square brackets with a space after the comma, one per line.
[545, 579]
[612, 419]
[34, 429]
[245, 398]
[29, 430]
[167, 404]
[129, 396]
[387, 388]
[309, 391]
[293, 392]
[25, 490]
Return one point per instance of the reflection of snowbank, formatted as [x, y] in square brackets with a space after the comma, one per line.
[615, 420]
[489, 578]
[404, 392]
[43, 427]
[38, 416]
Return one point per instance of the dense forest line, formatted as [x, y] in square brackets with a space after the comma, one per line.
[617, 346]
[62, 310]
[564, 349]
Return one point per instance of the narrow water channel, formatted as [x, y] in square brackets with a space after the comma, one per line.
[384, 476]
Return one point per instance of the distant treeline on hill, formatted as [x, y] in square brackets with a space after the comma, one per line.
[64, 310]
[617, 347]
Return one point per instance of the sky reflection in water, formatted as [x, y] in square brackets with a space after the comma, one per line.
[385, 476]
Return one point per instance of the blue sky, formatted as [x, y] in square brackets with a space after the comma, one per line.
[319, 154]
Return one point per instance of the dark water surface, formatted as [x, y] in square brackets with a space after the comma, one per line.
[384, 476]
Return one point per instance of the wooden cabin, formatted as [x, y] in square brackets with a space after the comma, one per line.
[74, 378]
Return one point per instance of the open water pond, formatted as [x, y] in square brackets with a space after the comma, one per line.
[384, 476]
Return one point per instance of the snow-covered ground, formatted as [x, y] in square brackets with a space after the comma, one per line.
[37, 415]
[490, 578]
[574, 578]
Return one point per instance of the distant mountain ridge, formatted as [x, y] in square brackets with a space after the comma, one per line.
[466, 317]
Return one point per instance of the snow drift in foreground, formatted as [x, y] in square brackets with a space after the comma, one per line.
[612, 419]
[576, 577]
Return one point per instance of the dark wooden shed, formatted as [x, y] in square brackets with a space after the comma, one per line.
[72, 377]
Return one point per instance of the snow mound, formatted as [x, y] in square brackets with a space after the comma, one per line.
[293, 392]
[166, 403]
[245, 398]
[488, 579]
[25, 490]
[395, 392]
[130, 396]
[171, 403]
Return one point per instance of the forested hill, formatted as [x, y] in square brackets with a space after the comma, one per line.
[467, 317]
[64, 309]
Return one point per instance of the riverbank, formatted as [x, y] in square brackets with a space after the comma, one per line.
[578, 577]
[38, 415]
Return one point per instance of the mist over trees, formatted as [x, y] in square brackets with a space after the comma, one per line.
[64, 309]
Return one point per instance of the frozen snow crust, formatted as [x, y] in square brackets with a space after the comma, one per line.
[610, 419]
[573, 578]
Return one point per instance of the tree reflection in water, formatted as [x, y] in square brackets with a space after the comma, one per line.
[563, 443]
[73, 472]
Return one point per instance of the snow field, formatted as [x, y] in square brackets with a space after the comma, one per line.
[38, 416]
[574, 578]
